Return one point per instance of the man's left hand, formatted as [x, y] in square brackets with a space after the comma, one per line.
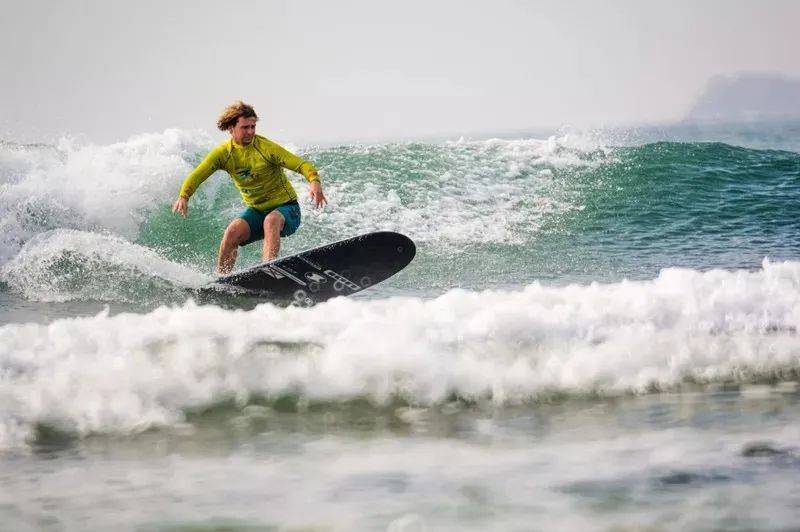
[317, 196]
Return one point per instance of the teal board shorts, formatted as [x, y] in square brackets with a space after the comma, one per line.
[255, 219]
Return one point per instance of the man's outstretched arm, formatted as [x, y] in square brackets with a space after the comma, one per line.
[208, 166]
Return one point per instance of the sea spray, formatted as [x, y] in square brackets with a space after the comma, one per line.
[128, 372]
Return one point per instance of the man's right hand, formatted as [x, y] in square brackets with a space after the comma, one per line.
[181, 206]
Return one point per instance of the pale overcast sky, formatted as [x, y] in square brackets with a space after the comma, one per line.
[345, 70]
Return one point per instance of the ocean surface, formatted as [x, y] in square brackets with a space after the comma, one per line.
[599, 332]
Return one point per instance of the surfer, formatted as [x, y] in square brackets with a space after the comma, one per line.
[255, 165]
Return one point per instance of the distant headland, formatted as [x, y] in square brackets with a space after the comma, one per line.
[747, 97]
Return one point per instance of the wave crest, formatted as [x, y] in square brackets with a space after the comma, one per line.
[127, 372]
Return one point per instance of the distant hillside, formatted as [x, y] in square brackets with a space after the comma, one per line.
[747, 97]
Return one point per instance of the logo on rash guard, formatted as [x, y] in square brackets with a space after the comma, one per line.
[244, 173]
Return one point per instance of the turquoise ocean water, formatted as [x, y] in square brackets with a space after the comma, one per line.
[599, 331]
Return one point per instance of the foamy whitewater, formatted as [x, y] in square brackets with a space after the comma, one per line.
[594, 334]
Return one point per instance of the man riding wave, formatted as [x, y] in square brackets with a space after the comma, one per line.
[255, 164]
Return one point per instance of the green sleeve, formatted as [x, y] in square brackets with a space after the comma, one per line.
[294, 163]
[208, 166]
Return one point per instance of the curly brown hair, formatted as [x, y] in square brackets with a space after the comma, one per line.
[233, 113]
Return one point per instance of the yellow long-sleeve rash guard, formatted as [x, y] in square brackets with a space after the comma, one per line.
[256, 170]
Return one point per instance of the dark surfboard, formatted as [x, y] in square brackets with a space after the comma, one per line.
[338, 269]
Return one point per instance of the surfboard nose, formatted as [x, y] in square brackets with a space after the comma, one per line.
[396, 245]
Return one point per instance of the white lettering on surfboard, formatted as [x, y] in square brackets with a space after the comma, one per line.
[285, 273]
[314, 277]
[340, 281]
[272, 273]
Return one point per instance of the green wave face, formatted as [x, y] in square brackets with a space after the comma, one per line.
[692, 205]
[496, 213]
[489, 213]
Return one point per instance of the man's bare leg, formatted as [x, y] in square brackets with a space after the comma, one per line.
[273, 225]
[237, 232]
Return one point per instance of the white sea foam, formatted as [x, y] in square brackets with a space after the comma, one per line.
[458, 193]
[90, 187]
[454, 194]
[66, 264]
[128, 372]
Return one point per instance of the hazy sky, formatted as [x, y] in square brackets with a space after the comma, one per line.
[344, 70]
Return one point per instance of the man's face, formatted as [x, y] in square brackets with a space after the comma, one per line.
[244, 130]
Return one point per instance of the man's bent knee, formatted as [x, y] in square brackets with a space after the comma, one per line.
[237, 232]
[273, 221]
